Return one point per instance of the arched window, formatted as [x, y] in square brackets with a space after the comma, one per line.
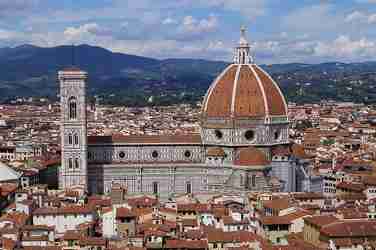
[188, 187]
[77, 163]
[72, 103]
[155, 187]
[70, 139]
[75, 139]
[70, 163]
[243, 58]
[253, 180]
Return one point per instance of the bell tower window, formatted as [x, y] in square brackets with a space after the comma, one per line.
[76, 163]
[72, 108]
[75, 139]
[70, 163]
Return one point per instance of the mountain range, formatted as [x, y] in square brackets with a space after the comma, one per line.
[117, 78]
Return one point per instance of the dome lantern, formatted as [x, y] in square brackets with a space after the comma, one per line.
[243, 50]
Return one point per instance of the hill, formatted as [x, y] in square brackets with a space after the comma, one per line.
[28, 70]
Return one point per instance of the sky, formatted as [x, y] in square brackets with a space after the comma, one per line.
[280, 31]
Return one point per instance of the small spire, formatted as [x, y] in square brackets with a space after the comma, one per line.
[242, 51]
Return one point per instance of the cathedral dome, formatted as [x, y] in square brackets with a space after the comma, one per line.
[243, 90]
[244, 105]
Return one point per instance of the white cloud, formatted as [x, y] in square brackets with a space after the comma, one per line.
[344, 47]
[83, 29]
[355, 16]
[191, 28]
[372, 18]
[247, 8]
[169, 20]
[360, 17]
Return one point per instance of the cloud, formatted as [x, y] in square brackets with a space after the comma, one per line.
[249, 9]
[345, 48]
[355, 16]
[360, 17]
[83, 29]
[191, 28]
[169, 20]
[192, 25]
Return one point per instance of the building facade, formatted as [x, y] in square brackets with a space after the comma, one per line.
[244, 118]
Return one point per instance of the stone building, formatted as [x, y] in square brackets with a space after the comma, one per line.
[244, 118]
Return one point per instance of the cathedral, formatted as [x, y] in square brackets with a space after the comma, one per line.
[243, 144]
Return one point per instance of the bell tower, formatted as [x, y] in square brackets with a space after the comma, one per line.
[73, 171]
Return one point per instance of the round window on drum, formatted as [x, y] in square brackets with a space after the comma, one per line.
[155, 154]
[277, 134]
[218, 134]
[121, 155]
[249, 135]
[187, 154]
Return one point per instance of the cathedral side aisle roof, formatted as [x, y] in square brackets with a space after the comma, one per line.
[146, 139]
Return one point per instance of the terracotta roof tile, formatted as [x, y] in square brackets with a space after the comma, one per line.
[186, 244]
[321, 220]
[251, 156]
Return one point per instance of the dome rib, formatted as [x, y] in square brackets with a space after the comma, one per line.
[275, 100]
[213, 85]
[236, 81]
[247, 97]
[219, 102]
[261, 86]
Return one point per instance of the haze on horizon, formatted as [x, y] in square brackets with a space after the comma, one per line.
[308, 31]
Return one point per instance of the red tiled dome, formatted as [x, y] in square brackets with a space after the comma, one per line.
[244, 91]
[251, 157]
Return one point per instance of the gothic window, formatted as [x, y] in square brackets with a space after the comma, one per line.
[70, 163]
[77, 163]
[72, 103]
[70, 139]
[75, 139]
[155, 187]
[188, 187]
